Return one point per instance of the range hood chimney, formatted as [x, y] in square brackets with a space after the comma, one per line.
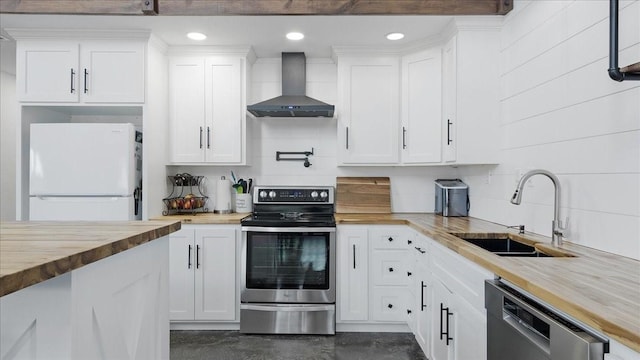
[293, 102]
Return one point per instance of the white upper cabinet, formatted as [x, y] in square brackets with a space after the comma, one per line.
[207, 106]
[368, 92]
[470, 123]
[87, 67]
[421, 107]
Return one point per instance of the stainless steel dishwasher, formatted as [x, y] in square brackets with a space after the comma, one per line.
[519, 327]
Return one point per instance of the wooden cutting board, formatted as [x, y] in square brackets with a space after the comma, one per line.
[363, 195]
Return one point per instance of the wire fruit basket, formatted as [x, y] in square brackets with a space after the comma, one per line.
[184, 199]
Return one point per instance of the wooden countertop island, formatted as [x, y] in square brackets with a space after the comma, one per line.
[84, 290]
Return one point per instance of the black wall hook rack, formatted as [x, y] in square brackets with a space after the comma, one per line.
[305, 159]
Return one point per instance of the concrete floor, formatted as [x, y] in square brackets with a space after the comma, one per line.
[231, 345]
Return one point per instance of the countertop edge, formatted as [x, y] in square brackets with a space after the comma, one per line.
[19, 280]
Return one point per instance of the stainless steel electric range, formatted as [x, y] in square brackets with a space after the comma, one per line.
[288, 281]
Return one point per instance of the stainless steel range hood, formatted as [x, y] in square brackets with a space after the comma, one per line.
[293, 102]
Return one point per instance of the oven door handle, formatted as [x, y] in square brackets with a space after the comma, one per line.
[295, 229]
[288, 308]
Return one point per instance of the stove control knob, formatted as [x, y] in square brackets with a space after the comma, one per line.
[263, 194]
[272, 194]
[324, 194]
[314, 194]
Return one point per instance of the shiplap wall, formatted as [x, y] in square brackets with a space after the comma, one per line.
[561, 112]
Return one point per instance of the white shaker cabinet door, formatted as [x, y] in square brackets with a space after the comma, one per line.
[47, 71]
[369, 98]
[112, 72]
[187, 109]
[225, 113]
[422, 107]
[215, 276]
[352, 274]
[181, 275]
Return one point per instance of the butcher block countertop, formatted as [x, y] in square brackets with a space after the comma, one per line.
[206, 218]
[32, 252]
[597, 288]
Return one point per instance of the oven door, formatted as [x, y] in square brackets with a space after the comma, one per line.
[288, 265]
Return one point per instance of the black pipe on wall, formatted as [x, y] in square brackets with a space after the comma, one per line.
[614, 70]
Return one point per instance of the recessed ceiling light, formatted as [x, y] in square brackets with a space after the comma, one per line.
[196, 36]
[295, 36]
[395, 36]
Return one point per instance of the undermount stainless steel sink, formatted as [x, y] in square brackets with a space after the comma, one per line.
[505, 245]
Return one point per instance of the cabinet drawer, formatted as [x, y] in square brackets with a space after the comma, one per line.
[389, 267]
[389, 303]
[389, 237]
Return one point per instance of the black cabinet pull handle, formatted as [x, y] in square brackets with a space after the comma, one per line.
[189, 257]
[208, 137]
[200, 137]
[420, 249]
[409, 273]
[409, 242]
[347, 138]
[404, 137]
[422, 304]
[390, 269]
[197, 256]
[354, 256]
[86, 74]
[73, 75]
[390, 306]
[449, 123]
[390, 239]
[408, 311]
[443, 333]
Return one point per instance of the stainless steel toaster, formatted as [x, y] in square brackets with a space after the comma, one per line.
[452, 197]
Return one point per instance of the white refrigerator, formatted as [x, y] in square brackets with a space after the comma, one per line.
[85, 171]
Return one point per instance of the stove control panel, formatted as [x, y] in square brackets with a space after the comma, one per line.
[284, 195]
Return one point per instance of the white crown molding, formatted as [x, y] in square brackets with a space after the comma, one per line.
[242, 50]
[158, 44]
[79, 34]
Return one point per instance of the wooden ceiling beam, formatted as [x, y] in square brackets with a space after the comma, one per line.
[259, 7]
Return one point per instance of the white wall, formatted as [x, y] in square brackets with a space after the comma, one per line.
[9, 120]
[156, 129]
[561, 112]
[412, 188]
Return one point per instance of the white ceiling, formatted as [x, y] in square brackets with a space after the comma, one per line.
[264, 33]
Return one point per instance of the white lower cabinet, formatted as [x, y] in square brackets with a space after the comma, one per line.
[352, 274]
[203, 273]
[458, 316]
[371, 274]
[418, 304]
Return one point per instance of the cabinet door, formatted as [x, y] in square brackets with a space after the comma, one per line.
[187, 109]
[441, 316]
[422, 107]
[47, 71]
[352, 274]
[369, 96]
[225, 114]
[215, 274]
[449, 91]
[469, 331]
[112, 72]
[181, 271]
[423, 308]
